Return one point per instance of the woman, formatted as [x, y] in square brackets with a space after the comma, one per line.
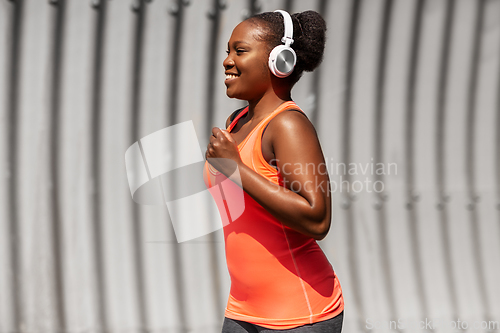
[280, 278]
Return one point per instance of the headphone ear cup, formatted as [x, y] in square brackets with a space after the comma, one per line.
[282, 60]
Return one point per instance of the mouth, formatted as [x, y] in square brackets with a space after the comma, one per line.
[230, 77]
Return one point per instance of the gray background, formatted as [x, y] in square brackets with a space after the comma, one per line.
[410, 82]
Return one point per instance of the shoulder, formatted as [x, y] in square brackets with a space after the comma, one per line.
[294, 141]
[291, 124]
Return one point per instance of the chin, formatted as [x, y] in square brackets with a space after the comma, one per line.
[242, 95]
[231, 94]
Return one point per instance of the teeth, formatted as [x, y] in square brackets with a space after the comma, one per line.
[230, 76]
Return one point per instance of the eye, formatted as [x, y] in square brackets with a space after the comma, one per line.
[227, 51]
[238, 51]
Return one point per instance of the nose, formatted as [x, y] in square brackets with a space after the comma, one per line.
[228, 62]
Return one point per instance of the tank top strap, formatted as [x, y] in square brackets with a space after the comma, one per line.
[253, 140]
[235, 120]
[283, 107]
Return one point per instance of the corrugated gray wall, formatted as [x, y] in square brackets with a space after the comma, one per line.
[410, 82]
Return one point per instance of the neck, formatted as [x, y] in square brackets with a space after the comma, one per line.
[258, 109]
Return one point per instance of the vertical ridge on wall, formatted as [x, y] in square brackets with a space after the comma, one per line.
[416, 242]
[440, 156]
[177, 12]
[54, 110]
[380, 205]
[13, 203]
[253, 6]
[287, 6]
[36, 217]
[97, 248]
[497, 148]
[346, 158]
[139, 11]
[322, 10]
[461, 241]
[213, 36]
[214, 33]
[470, 154]
[173, 95]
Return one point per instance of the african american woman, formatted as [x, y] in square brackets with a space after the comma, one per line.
[281, 279]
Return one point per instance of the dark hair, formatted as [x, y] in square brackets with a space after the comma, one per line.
[308, 34]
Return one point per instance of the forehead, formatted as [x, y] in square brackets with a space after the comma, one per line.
[247, 32]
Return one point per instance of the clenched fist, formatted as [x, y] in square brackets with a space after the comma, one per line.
[222, 151]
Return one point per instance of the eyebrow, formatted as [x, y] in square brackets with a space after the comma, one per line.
[238, 42]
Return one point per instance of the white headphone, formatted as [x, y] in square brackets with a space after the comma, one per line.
[282, 58]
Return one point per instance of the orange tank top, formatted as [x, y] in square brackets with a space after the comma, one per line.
[280, 278]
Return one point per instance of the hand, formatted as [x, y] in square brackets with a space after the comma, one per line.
[222, 146]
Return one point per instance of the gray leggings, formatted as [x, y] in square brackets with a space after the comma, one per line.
[333, 325]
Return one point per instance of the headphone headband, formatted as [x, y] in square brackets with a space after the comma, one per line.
[288, 38]
[282, 58]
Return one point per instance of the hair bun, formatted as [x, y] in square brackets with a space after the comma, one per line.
[309, 39]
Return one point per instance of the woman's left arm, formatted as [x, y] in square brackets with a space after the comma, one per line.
[304, 202]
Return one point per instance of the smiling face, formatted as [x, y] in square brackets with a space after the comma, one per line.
[246, 65]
